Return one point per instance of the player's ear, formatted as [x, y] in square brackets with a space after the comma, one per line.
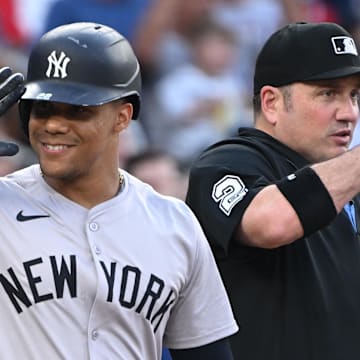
[124, 111]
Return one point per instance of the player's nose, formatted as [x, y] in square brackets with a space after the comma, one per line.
[55, 124]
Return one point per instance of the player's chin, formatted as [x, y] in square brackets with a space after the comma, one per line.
[55, 169]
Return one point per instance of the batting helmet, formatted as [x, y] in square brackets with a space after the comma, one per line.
[81, 64]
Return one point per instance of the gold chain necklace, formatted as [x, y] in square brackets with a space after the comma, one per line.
[121, 182]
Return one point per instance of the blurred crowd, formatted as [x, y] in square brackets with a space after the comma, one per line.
[197, 59]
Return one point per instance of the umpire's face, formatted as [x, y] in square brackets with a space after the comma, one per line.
[316, 119]
[77, 142]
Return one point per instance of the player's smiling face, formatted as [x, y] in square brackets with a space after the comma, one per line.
[75, 141]
[319, 119]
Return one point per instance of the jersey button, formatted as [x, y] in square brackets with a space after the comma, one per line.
[97, 250]
[94, 226]
[94, 334]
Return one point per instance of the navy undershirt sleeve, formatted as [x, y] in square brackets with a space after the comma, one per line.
[217, 350]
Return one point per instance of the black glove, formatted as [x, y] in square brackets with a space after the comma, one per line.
[11, 88]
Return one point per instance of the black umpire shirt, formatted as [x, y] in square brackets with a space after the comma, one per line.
[296, 302]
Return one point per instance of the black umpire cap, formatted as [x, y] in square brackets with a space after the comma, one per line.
[301, 52]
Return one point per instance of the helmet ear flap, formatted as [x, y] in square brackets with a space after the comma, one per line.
[24, 108]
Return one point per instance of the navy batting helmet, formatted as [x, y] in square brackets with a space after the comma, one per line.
[81, 64]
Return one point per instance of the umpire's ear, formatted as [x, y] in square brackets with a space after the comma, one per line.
[271, 103]
[124, 113]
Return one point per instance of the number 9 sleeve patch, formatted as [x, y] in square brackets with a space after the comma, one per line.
[227, 192]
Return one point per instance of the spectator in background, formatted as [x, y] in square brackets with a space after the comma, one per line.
[251, 21]
[201, 101]
[162, 39]
[162, 43]
[10, 31]
[121, 15]
[312, 10]
[22, 21]
[133, 141]
[160, 170]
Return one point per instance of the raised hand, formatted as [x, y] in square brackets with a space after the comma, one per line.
[11, 88]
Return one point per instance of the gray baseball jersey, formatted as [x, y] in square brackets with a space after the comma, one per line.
[113, 282]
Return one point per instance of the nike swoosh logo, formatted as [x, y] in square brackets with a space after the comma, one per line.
[21, 217]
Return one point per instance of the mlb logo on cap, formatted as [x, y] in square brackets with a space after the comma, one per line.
[344, 45]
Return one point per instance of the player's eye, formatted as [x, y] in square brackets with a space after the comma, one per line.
[42, 109]
[79, 111]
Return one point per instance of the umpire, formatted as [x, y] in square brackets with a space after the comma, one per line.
[279, 202]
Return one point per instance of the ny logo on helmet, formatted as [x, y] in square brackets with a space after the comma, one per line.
[57, 66]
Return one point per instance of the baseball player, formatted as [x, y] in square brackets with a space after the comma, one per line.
[274, 201]
[94, 264]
